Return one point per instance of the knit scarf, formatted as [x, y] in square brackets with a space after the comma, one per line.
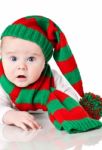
[64, 112]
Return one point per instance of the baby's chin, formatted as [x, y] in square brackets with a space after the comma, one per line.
[22, 85]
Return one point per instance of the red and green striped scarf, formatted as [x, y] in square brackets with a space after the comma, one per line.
[64, 112]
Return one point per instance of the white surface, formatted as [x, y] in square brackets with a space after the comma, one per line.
[48, 138]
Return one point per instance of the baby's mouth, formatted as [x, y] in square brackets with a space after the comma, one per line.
[21, 78]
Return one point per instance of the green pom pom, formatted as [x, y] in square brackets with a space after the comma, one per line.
[92, 104]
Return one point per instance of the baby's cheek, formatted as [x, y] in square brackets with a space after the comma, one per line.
[9, 70]
[9, 73]
[6, 65]
[36, 73]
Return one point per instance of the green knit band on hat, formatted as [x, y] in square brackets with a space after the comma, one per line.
[29, 34]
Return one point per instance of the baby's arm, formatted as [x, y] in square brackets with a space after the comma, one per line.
[11, 116]
[63, 85]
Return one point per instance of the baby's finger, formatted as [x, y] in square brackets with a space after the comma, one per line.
[31, 116]
[37, 125]
[23, 126]
[33, 120]
[30, 124]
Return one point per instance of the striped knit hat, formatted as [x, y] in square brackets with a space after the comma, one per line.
[52, 41]
[50, 38]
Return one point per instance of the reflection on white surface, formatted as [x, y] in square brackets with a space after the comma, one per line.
[48, 138]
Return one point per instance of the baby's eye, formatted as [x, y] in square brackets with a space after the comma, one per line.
[31, 58]
[13, 58]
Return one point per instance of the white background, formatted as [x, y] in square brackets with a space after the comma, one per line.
[80, 20]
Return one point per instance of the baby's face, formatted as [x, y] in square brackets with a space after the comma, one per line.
[23, 61]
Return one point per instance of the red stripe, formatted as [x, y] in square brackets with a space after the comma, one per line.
[52, 118]
[30, 23]
[61, 96]
[79, 88]
[34, 107]
[76, 113]
[40, 106]
[14, 94]
[62, 43]
[51, 31]
[68, 65]
[1, 69]
[47, 83]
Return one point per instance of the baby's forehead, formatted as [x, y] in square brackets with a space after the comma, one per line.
[6, 39]
[19, 45]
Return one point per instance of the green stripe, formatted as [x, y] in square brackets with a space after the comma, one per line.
[42, 21]
[82, 125]
[58, 125]
[74, 76]
[78, 126]
[27, 96]
[42, 97]
[6, 84]
[47, 71]
[62, 54]
[57, 33]
[70, 103]
[54, 105]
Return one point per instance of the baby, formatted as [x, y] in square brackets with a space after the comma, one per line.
[27, 83]
[23, 62]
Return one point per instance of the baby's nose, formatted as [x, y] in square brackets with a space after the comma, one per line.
[22, 66]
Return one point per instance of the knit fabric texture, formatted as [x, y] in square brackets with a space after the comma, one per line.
[92, 104]
[51, 39]
[64, 112]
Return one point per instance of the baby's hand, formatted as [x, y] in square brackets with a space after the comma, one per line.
[21, 119]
